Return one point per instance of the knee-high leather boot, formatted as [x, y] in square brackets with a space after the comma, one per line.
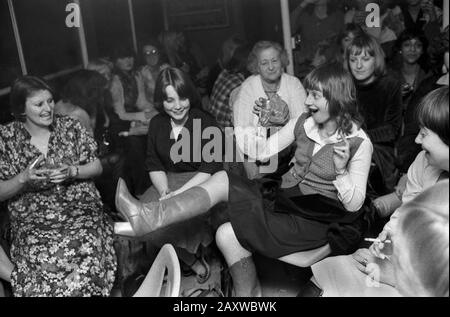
[148, 217]
[245, 279]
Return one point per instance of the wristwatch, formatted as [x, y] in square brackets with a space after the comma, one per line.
[77, 171]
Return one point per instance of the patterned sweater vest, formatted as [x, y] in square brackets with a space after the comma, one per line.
[314, 174]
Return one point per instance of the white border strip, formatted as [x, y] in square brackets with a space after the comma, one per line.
[23, 65]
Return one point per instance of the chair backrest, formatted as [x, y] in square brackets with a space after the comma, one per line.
[307, 258]
[151, 287]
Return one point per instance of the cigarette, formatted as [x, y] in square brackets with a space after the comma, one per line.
[35, 162]
[377, 240]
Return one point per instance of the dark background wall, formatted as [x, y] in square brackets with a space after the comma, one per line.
[50, 47]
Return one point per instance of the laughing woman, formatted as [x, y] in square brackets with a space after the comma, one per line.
[320, 198]
[62, 244]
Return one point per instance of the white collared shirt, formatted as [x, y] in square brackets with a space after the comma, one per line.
[421, 175]
[351, 186]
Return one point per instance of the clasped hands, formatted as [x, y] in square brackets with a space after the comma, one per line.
[53, 175]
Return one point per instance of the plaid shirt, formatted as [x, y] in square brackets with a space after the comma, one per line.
[219, 106]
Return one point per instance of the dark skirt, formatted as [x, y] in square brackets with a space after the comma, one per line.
[276, 222]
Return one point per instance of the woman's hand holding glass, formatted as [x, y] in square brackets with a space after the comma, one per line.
[31, 173]
[262, 110]
[57, 171]
[273, 112]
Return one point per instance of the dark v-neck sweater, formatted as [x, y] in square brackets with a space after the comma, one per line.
[189, 157]
[380, 104]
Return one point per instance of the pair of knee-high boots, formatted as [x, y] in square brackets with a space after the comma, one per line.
[148, 217]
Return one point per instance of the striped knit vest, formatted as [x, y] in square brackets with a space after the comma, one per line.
[314, 174]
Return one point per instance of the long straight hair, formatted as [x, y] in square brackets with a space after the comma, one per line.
[182, 84]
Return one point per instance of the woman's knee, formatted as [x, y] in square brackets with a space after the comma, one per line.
[224, 236]
[221, 177]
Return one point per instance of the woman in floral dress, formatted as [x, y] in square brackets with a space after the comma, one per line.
[62, 244]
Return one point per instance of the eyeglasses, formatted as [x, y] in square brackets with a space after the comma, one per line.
[152, 52]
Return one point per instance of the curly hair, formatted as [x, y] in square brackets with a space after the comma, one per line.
[411, 34]
[252, 64]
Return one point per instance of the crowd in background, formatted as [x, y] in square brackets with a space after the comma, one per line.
[370, 101]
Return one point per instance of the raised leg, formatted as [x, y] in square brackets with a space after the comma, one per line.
[148, 217]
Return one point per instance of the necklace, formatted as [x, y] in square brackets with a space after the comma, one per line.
[269, 90]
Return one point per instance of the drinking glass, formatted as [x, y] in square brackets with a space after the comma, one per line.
[50, 165]
[264, 115]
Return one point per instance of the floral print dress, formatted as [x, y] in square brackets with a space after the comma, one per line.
[62, 243]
